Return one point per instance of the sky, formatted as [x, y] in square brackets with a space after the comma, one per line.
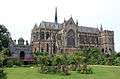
[19, 16]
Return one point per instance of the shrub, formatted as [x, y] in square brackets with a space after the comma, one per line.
[117, 61]
[9, 63]
[3, 75]
[13, 62]
[17, 62]
[85, 70]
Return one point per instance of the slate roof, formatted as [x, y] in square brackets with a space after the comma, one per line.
[88, 29]
[53, 25]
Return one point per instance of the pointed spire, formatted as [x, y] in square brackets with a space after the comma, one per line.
[35, 26]
[64, 20]
[56, 15]
[76, 22]
[101, 28]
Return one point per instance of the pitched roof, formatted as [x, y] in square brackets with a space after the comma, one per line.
[45, 24]
[88, 29]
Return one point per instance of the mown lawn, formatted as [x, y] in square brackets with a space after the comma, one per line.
[100, 72]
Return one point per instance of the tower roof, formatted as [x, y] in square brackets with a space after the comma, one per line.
[21, 39]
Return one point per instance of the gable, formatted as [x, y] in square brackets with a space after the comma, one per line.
[70, 22]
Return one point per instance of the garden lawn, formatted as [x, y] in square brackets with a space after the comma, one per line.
[99, 72]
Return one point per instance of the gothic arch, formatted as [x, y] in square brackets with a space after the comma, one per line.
[70, 38]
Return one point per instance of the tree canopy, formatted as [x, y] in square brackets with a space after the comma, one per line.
[4, 37]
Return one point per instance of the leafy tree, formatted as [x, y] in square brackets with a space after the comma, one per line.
[4, 37]
[1, 59]
[2, 73]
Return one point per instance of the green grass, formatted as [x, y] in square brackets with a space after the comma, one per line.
[100, 72]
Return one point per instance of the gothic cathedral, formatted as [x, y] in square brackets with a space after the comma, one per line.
[53, 37]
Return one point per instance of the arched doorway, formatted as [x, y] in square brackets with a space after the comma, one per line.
[71, 38]
[22, 55]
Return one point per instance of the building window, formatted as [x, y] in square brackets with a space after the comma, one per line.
[110, 49]
[47, 35]
[47, 47]
[102, 50]
[70, 38]
[35, 50]
[42, 35]
[54, 48]
[42, 50]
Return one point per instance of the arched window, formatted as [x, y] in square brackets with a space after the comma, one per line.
[47, 35]
[47, 47]
[35, 49]
[42, 35]
[71, 38]
[103, 50]
[54, 48]
[110, 49]
[42, 50]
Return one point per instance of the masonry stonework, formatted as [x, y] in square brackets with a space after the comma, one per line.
[68, 36]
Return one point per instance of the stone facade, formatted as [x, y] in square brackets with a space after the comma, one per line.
[20, 50]
[68, 36]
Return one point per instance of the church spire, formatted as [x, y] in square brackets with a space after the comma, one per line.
[56, 15]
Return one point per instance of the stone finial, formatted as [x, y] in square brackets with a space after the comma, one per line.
[14, 41]
[35, 26]
[64, 20]
[77, 22]
[101, 28]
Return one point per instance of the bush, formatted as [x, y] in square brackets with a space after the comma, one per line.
[117, 61]
[73, 67]
[85, 70]
[43, 69]
[65, 70]
[48, 69]
[17, 62]
[3, 75]
[9, 63]
[13, 62]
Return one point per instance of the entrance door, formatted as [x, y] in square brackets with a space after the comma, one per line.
[22, 55]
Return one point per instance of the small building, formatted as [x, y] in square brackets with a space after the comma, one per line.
[21, 51]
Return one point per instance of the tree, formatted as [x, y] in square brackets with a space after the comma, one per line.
[4, 37]
[4, 44]
[2, 58]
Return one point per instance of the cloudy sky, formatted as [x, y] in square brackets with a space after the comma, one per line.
[19, 16]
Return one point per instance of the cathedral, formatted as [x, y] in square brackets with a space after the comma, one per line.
[54, 37]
